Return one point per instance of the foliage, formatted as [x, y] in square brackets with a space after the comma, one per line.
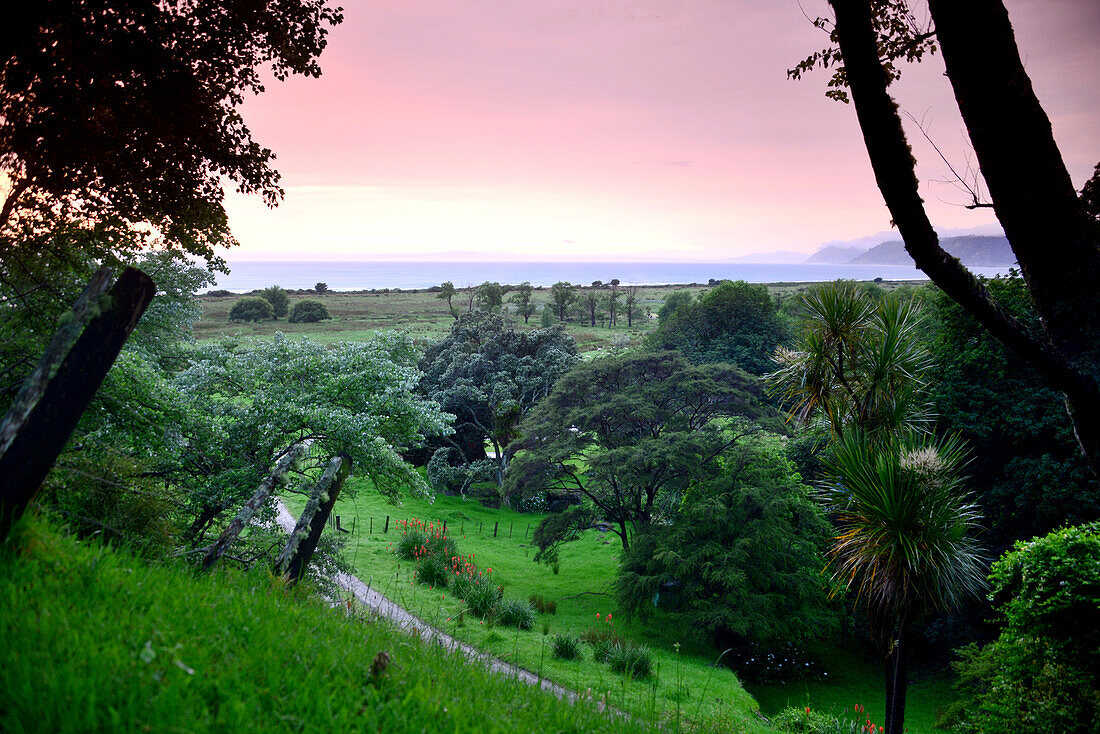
[321, 288]
[277, 297]
[858, 362]
[562, 295]
[1026, 466]
[742, 559]
[900, 38]
[631, 432]
[521, 298]
[566, 646]
[809, 721]
[479, 592]
[248, 401]
[411, 544]
[433, 571]
[1041, 674]
[489, 376]
[629, 659]
[447, 293]
[252, 308]
[734, 322]
[904, 527]
[674, 303]
[516, 613]
[489, 296]
[309, 312]
[122, 114]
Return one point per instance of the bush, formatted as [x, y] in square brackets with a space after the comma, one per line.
[516, 613]
[276, 296]
[565, 647]
[251, 309]
[543, 605]
[411, 544]
[1041, 674]
[433, 571]
[632, 660]
[308, 312]
[479, 592]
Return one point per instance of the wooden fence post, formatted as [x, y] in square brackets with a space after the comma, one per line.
[55, 395]
[387, 528]
[495, 526]
[246, 513]
[303, 540]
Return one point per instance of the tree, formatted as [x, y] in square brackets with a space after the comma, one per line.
[857, 362]
[277, 297]
[123, 114]
[631, 304]
[308, 312]
[252, 309]
[248, 402]
[743, 556]
[630, 432]
[562, 295]
[904, 539]
[590, 302]
[674, 302]
[447, 293]
[321, 288]
[490, 296]
[733, 322]
[1030, 189]
[611, 302]
[1026, 467]
[522, 300]
[489, 376]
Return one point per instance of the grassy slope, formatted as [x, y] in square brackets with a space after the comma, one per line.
[710, 695]
[96, 640]
[588, 568]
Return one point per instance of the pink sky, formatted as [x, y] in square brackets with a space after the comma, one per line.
[610, 130]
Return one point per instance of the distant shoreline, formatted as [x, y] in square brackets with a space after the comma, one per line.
[358, 277]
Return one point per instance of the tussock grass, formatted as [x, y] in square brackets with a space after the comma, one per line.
[96, 640]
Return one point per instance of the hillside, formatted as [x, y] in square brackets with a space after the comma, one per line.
[97, 640]
[973, 250]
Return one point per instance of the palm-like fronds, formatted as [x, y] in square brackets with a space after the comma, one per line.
[905, 525]
[858, 363]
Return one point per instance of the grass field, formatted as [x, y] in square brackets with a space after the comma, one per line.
[355, 316]
[686, 679]
[95, 640]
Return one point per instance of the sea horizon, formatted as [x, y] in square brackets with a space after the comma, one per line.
[365, 275]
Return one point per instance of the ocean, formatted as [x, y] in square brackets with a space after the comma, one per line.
[353, 276]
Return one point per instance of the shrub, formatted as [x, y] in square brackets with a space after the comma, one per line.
[440, 545]
[482, 597]
[433, 571]
[321, 288]
[516, 613]
[632, 660]
[251, 308]
[565, 647]
[308, 312]
[276, 296]
[1040, 675]
[411, 544]
[543, 605]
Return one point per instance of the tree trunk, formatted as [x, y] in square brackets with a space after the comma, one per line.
[295, 557]
[1069, 360]
[246, 513]
[47, 408]
[897, 681]
[1032, 193]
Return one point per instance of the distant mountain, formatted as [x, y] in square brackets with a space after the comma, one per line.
[973, 250]
[834, 255]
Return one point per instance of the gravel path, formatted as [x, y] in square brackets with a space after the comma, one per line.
[383, 607]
